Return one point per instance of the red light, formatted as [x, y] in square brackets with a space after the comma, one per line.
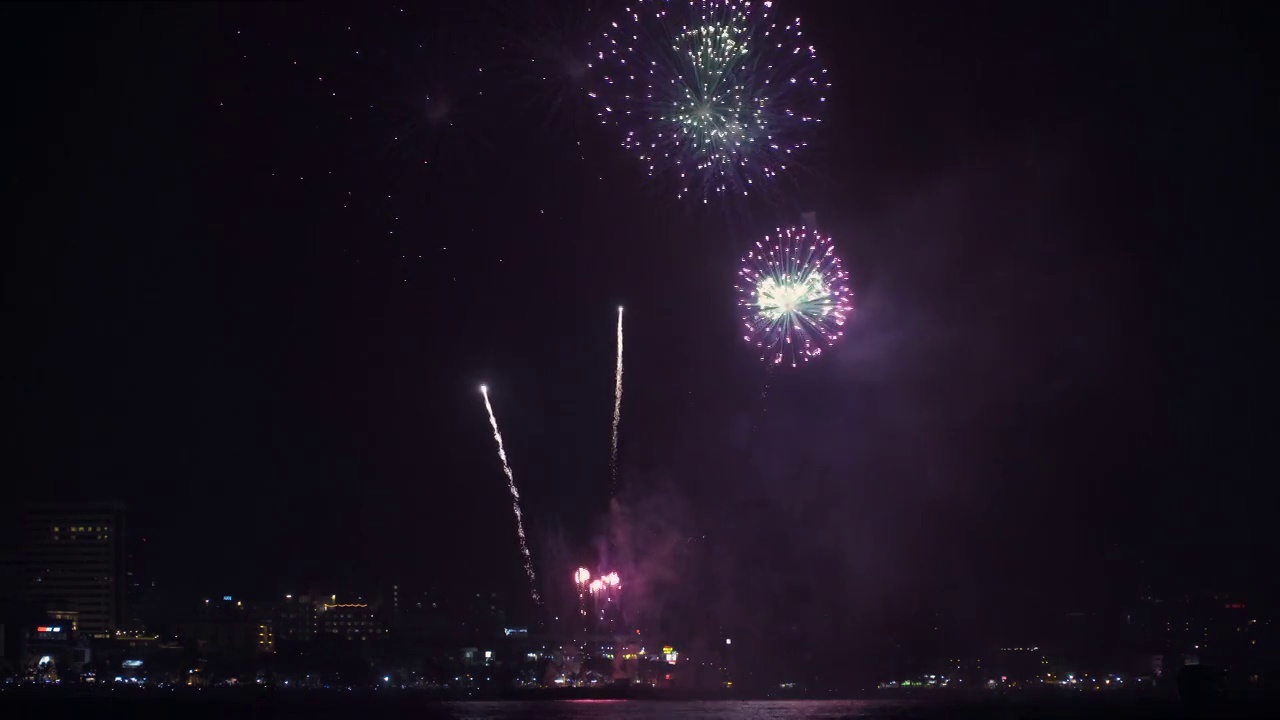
[44, 628]
[668, 676]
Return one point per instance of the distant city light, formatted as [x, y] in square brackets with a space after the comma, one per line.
[728, 641]
[227, 598]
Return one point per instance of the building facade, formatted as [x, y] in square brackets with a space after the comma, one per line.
[304, 618]
[73, 561]
[353, 621]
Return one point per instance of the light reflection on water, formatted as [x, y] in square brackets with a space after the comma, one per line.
[661, 710]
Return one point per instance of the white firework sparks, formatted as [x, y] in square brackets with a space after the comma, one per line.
[794, 294]
[715, 94]
[515, 500]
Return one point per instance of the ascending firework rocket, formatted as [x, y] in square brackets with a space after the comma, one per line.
[515, 500]
[617, 411]
[581, 578]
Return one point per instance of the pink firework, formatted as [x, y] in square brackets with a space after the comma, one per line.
[794, 295]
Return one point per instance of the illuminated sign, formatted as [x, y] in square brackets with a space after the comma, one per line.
[227, 598]
[131, 664]
[515, 631]
[49, 629]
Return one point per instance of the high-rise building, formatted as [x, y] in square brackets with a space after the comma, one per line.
[296, 619]
[73, 560]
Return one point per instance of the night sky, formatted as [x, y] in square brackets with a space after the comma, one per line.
[262, 255]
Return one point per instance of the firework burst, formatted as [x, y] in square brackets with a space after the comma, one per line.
[716, 94]
[794, 295]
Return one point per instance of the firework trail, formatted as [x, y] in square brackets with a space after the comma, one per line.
[617, 407]
[515, 500]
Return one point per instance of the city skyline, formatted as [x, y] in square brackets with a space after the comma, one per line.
[1140, 641]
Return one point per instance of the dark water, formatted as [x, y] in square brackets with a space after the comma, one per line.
[705, 710]
[139, 706]
[158, 704]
